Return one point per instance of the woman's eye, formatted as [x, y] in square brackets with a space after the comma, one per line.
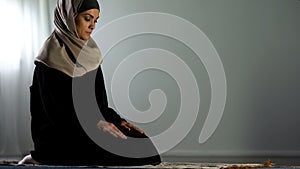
[96, 21]
[87, 19]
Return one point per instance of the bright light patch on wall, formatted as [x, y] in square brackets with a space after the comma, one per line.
[11, 35]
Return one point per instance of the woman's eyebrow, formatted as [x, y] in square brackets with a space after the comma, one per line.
[92, 16]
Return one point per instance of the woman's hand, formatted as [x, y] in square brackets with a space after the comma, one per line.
[130, 126]
[110, 128]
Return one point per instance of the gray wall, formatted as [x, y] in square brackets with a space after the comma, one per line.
[258, 44]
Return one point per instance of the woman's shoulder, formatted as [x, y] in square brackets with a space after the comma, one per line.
[44, 70]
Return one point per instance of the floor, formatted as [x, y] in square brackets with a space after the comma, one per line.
[181, 162]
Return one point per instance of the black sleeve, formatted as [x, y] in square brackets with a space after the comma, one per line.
[55, 89]
[108, 113]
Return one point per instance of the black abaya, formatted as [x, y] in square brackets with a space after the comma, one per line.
[58, 137]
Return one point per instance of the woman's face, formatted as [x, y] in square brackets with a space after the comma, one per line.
[86, 23]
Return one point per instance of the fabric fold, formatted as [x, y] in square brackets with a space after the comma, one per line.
[64, 50]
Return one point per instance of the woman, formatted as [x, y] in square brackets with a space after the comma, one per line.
[58, 137]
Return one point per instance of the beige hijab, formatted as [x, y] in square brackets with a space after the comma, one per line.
[64, 50]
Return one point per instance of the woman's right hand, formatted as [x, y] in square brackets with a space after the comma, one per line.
[110, 128]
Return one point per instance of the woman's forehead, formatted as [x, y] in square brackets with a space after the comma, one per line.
[94, 13]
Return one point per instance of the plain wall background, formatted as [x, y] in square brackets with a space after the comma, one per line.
[258, 43]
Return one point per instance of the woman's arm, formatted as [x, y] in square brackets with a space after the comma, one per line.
[110, 114]
[55, 93]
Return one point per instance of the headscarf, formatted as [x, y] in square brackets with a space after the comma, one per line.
[64, 50]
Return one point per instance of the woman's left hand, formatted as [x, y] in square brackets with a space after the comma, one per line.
[130, 126]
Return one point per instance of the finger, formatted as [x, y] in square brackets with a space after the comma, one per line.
[111, 128]
[119, 133]
[112, 133]
[129, 125]
[139, 130]
[115, 133]
[126, 126]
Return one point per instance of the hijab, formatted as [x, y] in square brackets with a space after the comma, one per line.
[64, 50]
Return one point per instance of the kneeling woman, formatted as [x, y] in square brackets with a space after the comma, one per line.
[59, 138]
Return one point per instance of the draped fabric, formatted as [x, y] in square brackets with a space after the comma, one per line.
[64, 44]
[25, 26]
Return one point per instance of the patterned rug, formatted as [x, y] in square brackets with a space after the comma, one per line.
[163, 165]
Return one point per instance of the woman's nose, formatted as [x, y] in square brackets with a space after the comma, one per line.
[92, 25]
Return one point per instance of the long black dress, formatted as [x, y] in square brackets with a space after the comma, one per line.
[58, 137]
